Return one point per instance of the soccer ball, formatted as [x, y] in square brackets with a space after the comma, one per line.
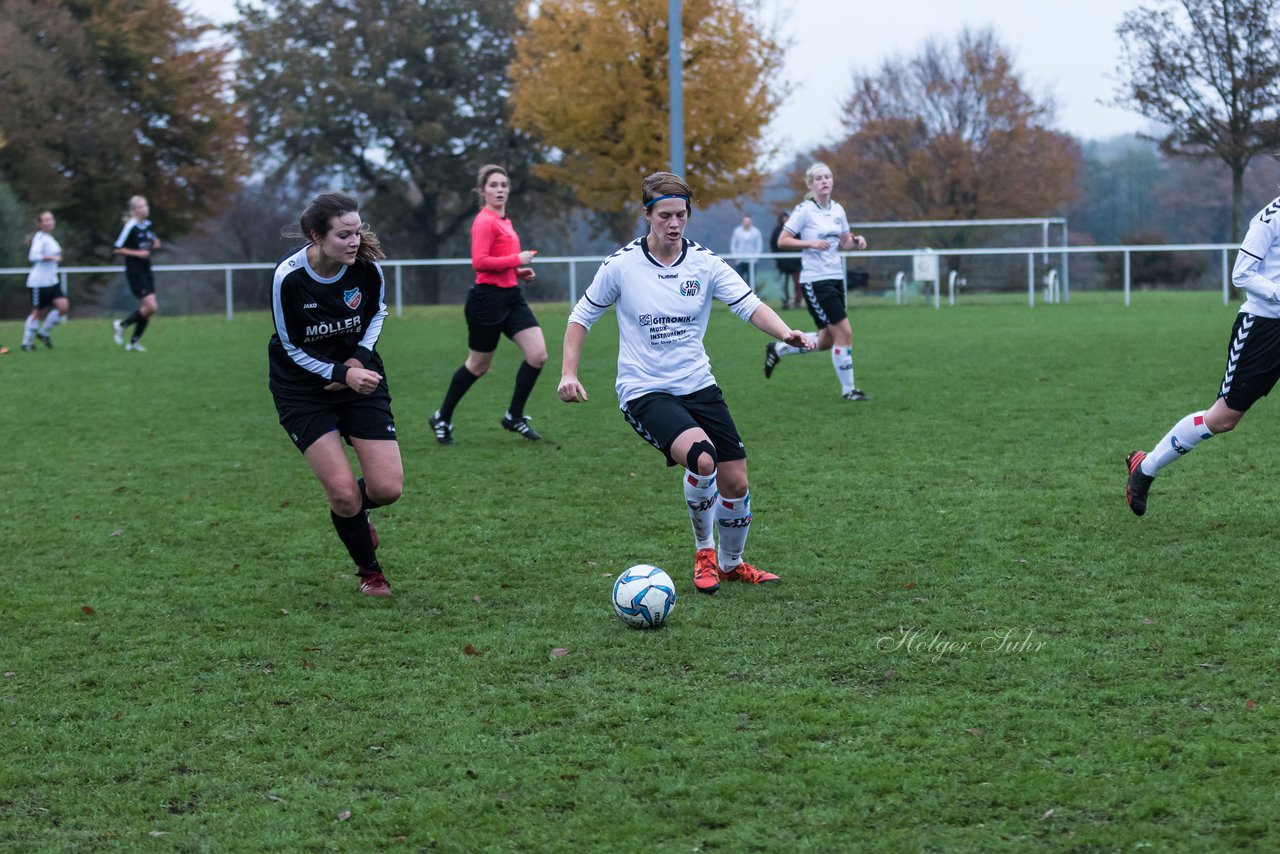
[644, 596]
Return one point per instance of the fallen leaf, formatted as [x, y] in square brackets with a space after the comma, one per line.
[470, 650]
[559, 652]
[1020, 560]
[158, 833]
[9, 674]
[235, 566]
[1147, 622]
[284, 503]
[910, 585]
[1047, 813]
[117, 532]
[475, 598]
[975, 730]
[1251, 704]
[891, 674]
[344, 815]
[116, 716]
[88, 610]
[120, 489]
[311, 649]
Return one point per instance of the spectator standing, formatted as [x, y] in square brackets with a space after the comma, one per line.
[746, 244]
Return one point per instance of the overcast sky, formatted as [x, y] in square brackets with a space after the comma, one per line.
[1065, 50]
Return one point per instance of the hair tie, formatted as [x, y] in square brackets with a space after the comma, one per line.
[653, 202]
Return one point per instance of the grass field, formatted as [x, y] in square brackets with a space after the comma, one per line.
[976, 646]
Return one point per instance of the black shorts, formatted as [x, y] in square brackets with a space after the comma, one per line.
[825, 299]
[660, 417]
[359, 416]
[1253, 361]
[43, 297]
[140, 282]
[493, 312]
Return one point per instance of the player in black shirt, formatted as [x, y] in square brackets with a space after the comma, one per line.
[327, 377]
[136, 242]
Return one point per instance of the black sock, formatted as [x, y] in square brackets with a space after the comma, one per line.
[365, 503]
[140, 328]
[458, 386]
[131, 319]
[526, 376]
[354, 533]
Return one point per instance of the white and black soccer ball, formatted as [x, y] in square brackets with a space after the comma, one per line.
[644, 596]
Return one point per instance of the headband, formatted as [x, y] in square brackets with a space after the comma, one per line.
[653, 202]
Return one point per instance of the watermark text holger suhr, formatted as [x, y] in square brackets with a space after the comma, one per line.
[936, 645]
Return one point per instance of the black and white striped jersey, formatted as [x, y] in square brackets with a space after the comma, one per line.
[320, 323]
[136, 234]
[1257, 270]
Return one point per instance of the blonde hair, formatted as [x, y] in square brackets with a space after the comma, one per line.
[810, 172]
[482, 178]
[134, 201]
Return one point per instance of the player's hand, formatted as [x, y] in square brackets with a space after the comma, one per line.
[351, 362]
[797, 338]
[857, 241]
[570, 390]
[363, 380]
[525, 274]
[526, 257]
[819, 245]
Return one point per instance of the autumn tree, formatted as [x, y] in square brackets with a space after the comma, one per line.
[1209, 70]
[102, 99]
[950, 134]
[591, 83]
[399, 99]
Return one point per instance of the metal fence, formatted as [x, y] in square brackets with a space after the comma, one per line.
[906, 274]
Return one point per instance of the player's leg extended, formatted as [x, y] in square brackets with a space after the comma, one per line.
[694, 450]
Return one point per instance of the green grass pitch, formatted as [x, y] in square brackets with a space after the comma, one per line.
[975, 647]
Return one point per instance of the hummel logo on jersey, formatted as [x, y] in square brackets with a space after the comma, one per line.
[690, 288]
[1270, 210]
[668, 275]
[352, 298]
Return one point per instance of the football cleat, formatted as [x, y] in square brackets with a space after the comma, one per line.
[706, 571]
[771, 358]
[747, 573]
[135, 347]
[855, 394]
[28, 348]
[520, 425]
[1136, 488]
[117, 331]
[443, 429]
[45, 340]
[373, 583]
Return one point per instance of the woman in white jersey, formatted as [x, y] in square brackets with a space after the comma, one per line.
[48, 302]
[820, 227]
[662, 286]
[1253, 358]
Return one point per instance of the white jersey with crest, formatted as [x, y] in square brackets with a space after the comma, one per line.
[662, 314]
[1257, 269]
[810, 221]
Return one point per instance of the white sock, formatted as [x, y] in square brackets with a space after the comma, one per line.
[1184, 436]
[700, 495]
[783, 349]
[29, 330]
[842, 361]
[733, 516]
[50, 321]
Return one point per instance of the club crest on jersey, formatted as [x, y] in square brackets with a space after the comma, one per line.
[352, 298]
[690, 287]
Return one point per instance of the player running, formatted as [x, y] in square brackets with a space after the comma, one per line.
[48, 302]
[1253, 358]
[662, 287]
[136, 242]
[820, 227]
[327, 381]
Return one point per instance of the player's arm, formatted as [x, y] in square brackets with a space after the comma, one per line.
[570, 389]
[767, 320]
[1245, 275]
[850, 241]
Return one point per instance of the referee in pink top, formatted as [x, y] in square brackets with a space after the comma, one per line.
[496, 307]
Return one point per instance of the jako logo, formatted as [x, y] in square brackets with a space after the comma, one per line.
[352, 298]
[690, 288]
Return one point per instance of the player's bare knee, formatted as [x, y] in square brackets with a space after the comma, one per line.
[537, 360]
[383, 494]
